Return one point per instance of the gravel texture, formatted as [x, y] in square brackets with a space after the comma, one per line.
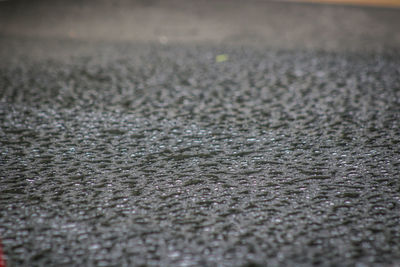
[151, 155]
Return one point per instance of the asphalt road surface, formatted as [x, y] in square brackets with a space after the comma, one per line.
[191, 150]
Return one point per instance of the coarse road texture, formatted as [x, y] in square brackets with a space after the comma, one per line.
[142, 154]
[161, 156]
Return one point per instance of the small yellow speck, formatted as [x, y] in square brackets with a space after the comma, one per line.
[221, 58]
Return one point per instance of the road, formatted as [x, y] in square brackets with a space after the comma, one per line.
[211, 147]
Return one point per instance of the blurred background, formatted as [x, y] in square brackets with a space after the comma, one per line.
[317, 24]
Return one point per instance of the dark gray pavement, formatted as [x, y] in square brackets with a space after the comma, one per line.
[143, 151]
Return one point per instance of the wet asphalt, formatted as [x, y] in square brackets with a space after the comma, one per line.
[133, 153]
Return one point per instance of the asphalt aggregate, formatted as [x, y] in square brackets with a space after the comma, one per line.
[134, 154]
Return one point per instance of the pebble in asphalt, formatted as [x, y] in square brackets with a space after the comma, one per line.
[137, 155]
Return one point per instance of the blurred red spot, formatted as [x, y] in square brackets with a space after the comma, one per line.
[2, 260]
